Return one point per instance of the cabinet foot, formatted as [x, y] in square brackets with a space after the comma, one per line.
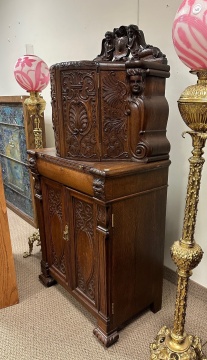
[47, 281]
[106, 340]
[156, 306]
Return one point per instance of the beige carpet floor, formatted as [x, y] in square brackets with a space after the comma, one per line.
[48, 324]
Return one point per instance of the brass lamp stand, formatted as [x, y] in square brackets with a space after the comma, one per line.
[36, 106]
[186, 254]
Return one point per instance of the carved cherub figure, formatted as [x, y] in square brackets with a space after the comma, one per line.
[136, 40]
[127, 42]
[107, 49]
[121, 51]
[138, 47]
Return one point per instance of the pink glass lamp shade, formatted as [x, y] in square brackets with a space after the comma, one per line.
[189, 33]
[31, 73]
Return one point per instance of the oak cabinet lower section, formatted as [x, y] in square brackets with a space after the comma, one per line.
[70, 239]
[102, 232]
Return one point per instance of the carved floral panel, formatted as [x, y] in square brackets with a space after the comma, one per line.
[113, 113]
[79, 96]
[84, 248]
[56, 242]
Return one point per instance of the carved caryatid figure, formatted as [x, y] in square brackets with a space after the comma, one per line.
[136, 110]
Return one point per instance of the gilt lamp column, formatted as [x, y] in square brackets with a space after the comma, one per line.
[32, 74]
[190, 42]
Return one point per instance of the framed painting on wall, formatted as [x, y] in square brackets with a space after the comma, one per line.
[16, 137]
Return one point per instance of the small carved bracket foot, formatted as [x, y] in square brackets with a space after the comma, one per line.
[106, 340]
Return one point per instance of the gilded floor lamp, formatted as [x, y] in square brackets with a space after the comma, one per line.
[190, 41]
[32, 74]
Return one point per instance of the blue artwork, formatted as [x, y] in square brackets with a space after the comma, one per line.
[12, 114]
[13, 157]
[13, 142]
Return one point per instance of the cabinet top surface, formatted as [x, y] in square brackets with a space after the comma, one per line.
[103, 168]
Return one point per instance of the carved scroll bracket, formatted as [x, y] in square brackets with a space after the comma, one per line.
[98, 188]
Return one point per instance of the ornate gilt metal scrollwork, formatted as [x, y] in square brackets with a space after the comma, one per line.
[35, 237]
[36, 106]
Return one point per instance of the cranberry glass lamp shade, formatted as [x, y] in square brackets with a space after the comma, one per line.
[189, 33]
[32, 73]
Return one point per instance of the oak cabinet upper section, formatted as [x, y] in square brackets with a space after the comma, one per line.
[112, 108]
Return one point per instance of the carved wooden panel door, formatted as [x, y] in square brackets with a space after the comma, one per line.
[80, 108]
[84, 247]
[56, 228]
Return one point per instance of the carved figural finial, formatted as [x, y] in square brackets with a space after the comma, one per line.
[108, 48]
[128, 42]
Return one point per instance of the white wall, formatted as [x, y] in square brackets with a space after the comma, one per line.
[73, 30]
[60, 30]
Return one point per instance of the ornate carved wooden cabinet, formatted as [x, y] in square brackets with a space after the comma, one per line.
[101, 193]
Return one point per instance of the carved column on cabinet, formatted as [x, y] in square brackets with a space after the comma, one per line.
[104, 332]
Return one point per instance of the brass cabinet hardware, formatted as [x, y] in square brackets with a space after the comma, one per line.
[65, 233]
[112, 220]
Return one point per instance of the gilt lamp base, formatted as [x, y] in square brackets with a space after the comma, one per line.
[164, 348]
